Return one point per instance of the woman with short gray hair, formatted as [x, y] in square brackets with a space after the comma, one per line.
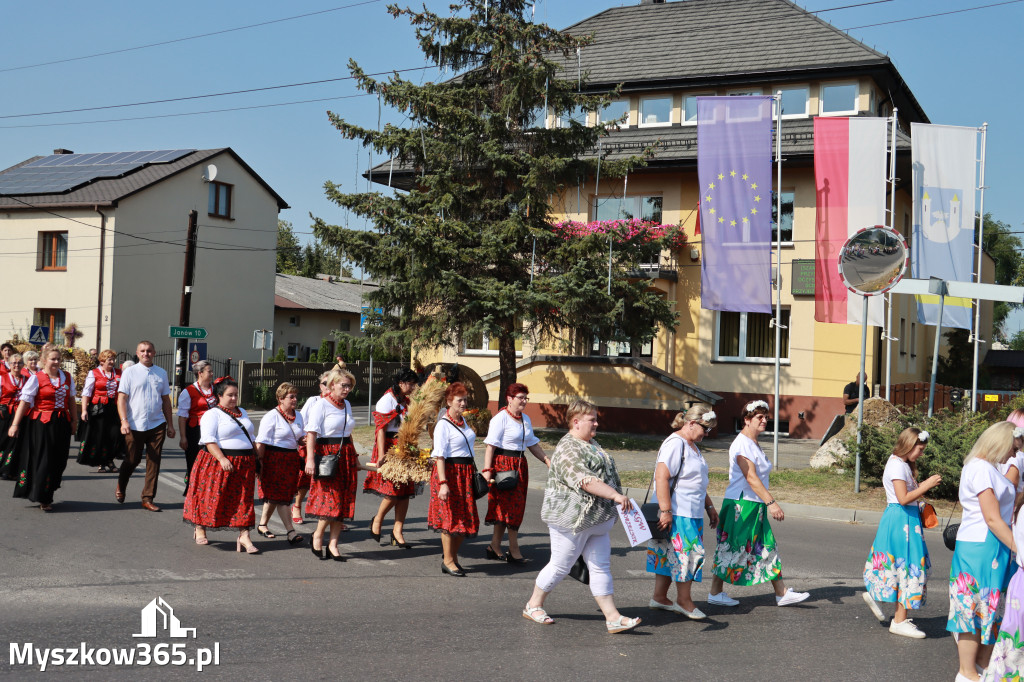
[579, 507]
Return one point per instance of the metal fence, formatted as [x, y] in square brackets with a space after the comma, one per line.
[257, 385]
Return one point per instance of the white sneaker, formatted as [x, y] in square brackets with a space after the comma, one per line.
[906, 629]
[722, 599]
[960, 677]
[791, 597]
[870, 601]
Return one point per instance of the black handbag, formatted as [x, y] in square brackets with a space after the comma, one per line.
[506, 480]
[326, 466]
[580, 571]
[950, 531]
[652, 510]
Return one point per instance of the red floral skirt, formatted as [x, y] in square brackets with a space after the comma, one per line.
[508, 506]
[375, 484]
[457, 514]
[219, 499]
[278, 479]
[334, 499]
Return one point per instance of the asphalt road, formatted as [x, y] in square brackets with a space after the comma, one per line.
[84, 572]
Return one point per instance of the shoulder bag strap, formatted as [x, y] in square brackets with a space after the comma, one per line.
[244, 430]
[672, 481]
[446, 419]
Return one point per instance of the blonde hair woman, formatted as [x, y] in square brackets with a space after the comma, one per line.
[681, 493]
[980, 570]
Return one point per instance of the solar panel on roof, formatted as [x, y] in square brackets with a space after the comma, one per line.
[63, 172]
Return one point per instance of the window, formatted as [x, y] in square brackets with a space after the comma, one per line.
[913, 339]
[293, 320]
[345, 325]
[538, 118]
[903, 336]
[52, 318]
[690, 107]
[656, 111]
[482, 343]
[750, 337]
[53, 251]
[839, 99]
[220, 200]
[578, 114]
[787, 215]
[746, 92]
[622, 349]
[292, 353]
[627, 208]
[615, 111]
[795, 101]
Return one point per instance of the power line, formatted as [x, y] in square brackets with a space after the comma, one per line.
[937, 14]
[859, 4]
[181, 40]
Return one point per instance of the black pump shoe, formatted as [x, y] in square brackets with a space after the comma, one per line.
[336, 557]
[320, 554]
[396, 543]
[376, 536]
[492, 555]
[458, 572]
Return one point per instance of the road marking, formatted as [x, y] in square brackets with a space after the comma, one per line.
[175, 482]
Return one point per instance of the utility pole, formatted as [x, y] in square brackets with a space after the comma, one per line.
[188, 279]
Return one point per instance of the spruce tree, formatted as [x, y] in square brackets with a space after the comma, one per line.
[470, 248]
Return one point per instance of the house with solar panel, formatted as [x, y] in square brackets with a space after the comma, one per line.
[98, 240]
[665, 55]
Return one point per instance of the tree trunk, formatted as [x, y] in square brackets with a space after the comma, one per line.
[506, 364]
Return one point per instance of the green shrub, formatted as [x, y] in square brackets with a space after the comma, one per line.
[324, 354]
[264, 396]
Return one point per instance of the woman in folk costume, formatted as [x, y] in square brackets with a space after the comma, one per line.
[43, 451]
[302, 485]
[11, 383]
[99, 430]
[193, 402]
[388, 416]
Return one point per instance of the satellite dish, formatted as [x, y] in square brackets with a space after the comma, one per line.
[210, 174]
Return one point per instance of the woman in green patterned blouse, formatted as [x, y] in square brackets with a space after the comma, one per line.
[579, 508]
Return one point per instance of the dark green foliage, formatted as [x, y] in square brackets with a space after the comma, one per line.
[279, 356]
[358, 348]
[324, 354]
[454, 256]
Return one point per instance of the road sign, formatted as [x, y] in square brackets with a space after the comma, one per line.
[263, 339]
[196, 352]
[187, 332]
[39, 335]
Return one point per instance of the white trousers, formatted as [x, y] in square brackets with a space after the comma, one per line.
[595, 544]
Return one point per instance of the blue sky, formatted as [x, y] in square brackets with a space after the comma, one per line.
[963, 68]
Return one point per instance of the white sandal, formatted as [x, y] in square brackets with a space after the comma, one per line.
[621, 624]
[537, 615]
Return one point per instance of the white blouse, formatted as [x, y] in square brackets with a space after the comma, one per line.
[1016, 461]
[185, 399]
[90, 383]
[31, 389]
[387, 403]
[276, 430]
[217, 426]
[453, 441]
[329, 421]
[689, 465]
[739, 488]
[976, 477]
[896, 470]
[508, 433]
[308, 407]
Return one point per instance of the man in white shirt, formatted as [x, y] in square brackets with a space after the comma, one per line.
[144, 404]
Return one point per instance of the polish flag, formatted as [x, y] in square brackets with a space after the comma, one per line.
[849, 176]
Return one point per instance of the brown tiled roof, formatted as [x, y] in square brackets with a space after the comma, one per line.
[345, 296]
[108, 191]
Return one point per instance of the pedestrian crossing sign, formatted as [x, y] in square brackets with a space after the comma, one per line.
[39, 335]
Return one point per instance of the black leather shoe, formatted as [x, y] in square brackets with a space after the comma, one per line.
[457, 573]
[320, 554]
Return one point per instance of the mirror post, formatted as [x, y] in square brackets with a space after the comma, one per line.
[860, 389]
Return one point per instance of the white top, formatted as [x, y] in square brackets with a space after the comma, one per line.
[738, 487]
[976, 477]
[90, 384]
[896, 470]
[185, 399]
[277, 431]
[1017, 461]
[308, 407]
[686, 462]
[145, 388]
[452, 441]
[329, 421]
[508, 433]
[387, 403]
[1018, 537]
[31, 389]
[217, 426]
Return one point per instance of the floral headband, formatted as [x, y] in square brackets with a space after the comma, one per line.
[923, 437]
[754, 404]
[1018, 432]
[709, 416]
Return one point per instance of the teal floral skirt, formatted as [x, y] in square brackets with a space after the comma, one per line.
[978, 578]
[746, 553]
[1007, 661]
[681, 556]
[898, 564]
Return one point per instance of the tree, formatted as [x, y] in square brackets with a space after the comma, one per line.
[470, 249]
[1017, 340]
[288, 250]
[324, 354]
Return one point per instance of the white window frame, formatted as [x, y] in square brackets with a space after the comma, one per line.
[562, 120]
[629, 112]
[294, 320]
[289, 355]
[745, 92]
[641, 122]
[682, 111]
[742, 358]
[484, 350]
[807, 102]
[821, 99]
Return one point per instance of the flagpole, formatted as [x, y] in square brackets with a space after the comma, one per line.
[892, 225]
[778, 268]
[977, 302]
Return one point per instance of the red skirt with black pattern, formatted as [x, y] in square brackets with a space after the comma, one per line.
[219, 499]
[375, 484]
[278, 479]
[304, 478]
[334, 499]
[507, 507]
[456, 515]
